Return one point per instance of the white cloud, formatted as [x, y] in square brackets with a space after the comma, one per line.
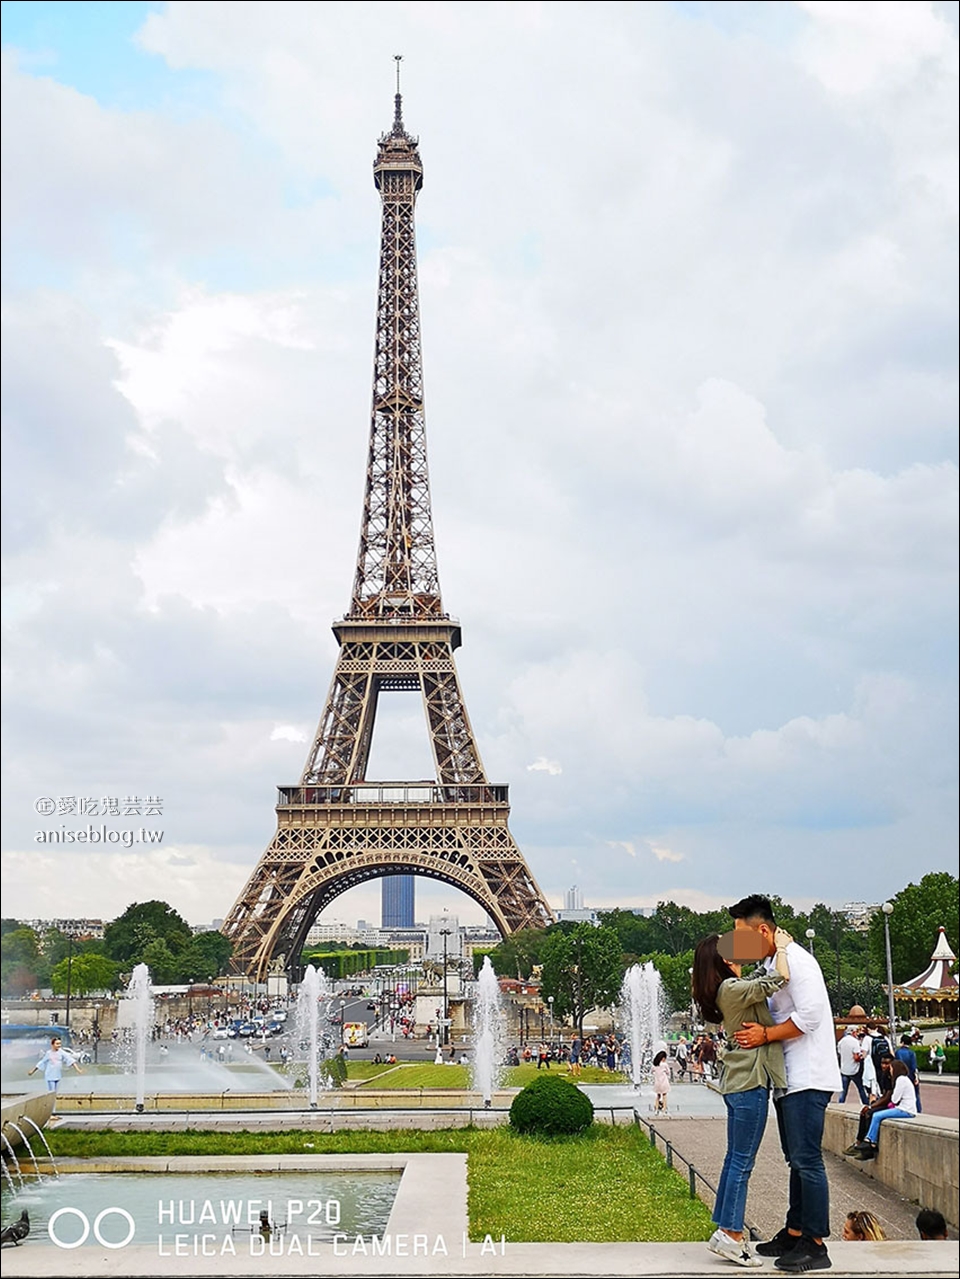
[287, 733]
[543, 765]
[691, 414]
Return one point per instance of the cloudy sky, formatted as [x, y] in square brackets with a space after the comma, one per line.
[688, 293]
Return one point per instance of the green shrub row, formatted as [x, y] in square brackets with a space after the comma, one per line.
[951, 1064]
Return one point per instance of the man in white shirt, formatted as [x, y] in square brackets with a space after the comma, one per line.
[803, 1023]
[851, 1066]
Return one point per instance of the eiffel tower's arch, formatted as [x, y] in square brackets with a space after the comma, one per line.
[331, 839]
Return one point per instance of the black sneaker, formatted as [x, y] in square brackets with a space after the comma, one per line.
[781, 1243]
[806, 1255]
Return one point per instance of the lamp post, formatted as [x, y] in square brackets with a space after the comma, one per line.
[343, 1005]
[445, 933]
[887, 909]
[810, 935]
[66, 1014]
[550, 1002]
[692, 1007]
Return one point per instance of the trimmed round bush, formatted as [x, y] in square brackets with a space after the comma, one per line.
[551, 1106]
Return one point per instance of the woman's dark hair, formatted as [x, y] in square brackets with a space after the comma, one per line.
[898, 1068]
[709, 970]
[661, 1056]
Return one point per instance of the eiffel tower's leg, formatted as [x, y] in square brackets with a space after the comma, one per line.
[342, 743]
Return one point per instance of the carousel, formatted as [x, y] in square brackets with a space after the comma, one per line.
[933, 994]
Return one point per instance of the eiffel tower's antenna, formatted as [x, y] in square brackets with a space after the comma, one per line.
[336, 828]
[398, 100]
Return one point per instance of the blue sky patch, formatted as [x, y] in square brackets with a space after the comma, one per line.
[91, 48]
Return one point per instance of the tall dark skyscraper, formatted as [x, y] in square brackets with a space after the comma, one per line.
[396, 901]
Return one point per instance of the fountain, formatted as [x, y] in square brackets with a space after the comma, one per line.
[46, 1145]
[488, 1029]
[314, 988]
[642, 1008]
[15, 1164]
[23, 1137]
[140, 1008]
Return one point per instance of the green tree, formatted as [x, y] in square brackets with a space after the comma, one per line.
[20, 946]
[518, 955]
[918, 912]
[20, 961]
[127, 938]
[204, 957]
[674, 972]
[162, 962]
[581, 968]
[87, 973]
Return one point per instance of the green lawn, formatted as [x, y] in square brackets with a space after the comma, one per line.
[605, 1185]
[429, 1075]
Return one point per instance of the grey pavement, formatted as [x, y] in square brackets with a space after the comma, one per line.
[702, 1140]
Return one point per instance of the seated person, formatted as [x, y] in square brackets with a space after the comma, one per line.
[880, 1102]
[903, 1105]
[862, 1227]
[931, 1224]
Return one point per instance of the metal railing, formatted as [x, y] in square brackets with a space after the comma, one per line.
[694, 1175]
[394, 793]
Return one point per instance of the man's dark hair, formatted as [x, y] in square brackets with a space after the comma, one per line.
[753, 907]
[931, 1224]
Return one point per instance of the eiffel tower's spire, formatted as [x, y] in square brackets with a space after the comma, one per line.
[396, 572]
[398, 101]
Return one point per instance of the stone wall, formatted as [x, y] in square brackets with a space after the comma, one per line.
[918, 1158]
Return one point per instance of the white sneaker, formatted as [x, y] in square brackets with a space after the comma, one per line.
[733, 1250]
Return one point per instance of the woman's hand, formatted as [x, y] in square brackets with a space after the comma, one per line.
[782, 939]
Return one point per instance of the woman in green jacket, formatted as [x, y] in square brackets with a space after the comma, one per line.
[748, 1074]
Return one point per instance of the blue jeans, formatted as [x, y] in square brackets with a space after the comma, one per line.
[857, 1081]
[800, 1120]
[746, 1120]
[894, 1112]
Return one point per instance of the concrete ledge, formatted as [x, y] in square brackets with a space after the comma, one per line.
[933, 1260]
[918, 1158]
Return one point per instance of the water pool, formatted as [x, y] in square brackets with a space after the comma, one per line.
[216, 1213]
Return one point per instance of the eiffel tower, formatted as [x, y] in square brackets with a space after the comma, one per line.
[336, 828]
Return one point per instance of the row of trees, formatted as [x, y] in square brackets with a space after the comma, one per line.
[147, 932]
[346, 961]
[582, 966]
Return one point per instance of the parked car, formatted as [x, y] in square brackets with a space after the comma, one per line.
[278, 1014]
[246, 1029]
[371, 1007]
[221, 1032]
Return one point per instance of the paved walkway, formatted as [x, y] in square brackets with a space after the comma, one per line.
[702, 1140]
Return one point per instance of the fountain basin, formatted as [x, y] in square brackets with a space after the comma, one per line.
[332, 1099]
[37, 1107]
[222, 1199]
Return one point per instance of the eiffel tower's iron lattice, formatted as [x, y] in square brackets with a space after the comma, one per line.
[336, 829]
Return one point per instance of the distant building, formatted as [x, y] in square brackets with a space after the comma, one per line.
[859, 914]
[79, 929]
[573, 898]
[582, 916]
[397, 901]
[440, 924]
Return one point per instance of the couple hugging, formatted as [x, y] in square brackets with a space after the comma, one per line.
[779, 1027]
